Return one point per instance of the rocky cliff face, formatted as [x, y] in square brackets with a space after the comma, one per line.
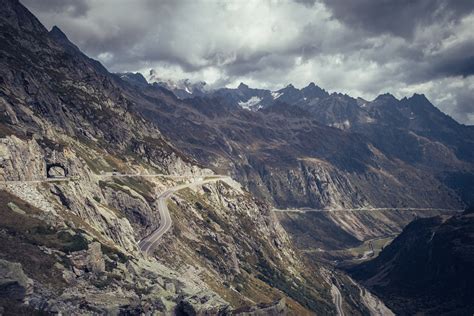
[312, 182]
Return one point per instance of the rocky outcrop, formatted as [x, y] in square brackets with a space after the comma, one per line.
[14, 284]
[200, 306]
[20, 159]
[237, 242]
[277, 308]
[90, 260]
[133, 206]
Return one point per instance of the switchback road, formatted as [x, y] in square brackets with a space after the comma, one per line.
[151, 241]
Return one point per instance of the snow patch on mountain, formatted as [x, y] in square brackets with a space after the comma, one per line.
[342, 125]
[183, 88]
[276, 95]
[251, 104]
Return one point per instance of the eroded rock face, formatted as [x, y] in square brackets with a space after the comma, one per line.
[237, 242]
[319, 184]
[141, 215]
[21, 160]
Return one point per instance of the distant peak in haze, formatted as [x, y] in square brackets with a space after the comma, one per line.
[136, 79]
[254, 99]
[419, 96]
[56, 31]
[385, 97]
[242, 86]
[183, 88]
[312, 91]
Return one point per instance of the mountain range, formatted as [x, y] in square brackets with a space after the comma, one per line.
[383, 153]
[92, 164]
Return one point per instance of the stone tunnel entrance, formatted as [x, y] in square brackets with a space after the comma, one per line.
[56, 170]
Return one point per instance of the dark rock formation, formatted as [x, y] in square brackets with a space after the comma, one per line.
[428, 269]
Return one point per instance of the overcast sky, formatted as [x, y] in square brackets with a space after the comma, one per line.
[359, 47]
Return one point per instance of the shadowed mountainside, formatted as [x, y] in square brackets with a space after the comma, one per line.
[428, 268]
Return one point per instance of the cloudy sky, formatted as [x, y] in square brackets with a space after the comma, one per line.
[359, 47]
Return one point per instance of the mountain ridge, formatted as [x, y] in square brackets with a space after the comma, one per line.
[402, 132]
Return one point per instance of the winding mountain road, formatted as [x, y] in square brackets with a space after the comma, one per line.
[148, 243]
[337, 299]
[101, 176]
[36, 181]
[404, 209]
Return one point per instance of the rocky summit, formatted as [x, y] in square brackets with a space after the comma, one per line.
[124, 197]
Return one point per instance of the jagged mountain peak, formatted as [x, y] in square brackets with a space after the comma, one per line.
[242, 86]
[57, 33]
[182, 89]
[15, 15]
[59, 37]
[289, 87]
[312, 86]
[386, 97]
[314, 91]
[417, 97]
[136, 78]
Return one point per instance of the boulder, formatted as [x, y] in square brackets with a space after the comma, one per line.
[90, 260]
[275, 309]
[170, 287]
[14, 284]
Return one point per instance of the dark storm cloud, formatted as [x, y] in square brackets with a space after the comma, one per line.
[400, 17]
[360, 47]
[451, 62]
[452, 66]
